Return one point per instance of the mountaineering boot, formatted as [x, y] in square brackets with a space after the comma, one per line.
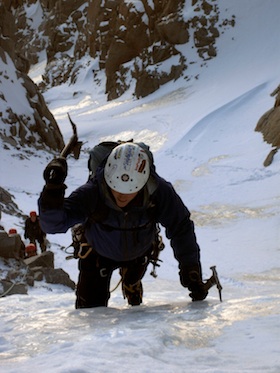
[133, 293]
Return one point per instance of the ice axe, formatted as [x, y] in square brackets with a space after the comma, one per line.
[73, 146]
[214, 280]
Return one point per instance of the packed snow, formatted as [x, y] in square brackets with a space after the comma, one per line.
[203, 138]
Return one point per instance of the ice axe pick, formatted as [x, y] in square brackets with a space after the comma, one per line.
[214, 280]
[73, 146]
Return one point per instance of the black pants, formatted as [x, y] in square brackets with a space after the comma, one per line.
[41, 240]
[93, 288]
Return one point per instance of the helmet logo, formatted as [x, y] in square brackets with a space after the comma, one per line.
[125, 177]
[141, 163]
[128, 158]
[142, 166]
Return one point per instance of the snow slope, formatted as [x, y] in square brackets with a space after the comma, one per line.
[202, 135]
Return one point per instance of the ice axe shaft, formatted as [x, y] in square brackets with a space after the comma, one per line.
[73, 146]
[214, 280]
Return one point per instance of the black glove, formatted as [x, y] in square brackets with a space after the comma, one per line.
[56, 171]
[52, 196]
[190, 277]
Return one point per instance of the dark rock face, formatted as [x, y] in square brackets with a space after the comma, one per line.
[269, 123]
[138, 45]
[130, 41]
[25, 120]
[7, 204]
[133, 41]
[269, 126]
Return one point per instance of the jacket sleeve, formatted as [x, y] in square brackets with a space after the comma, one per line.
[76, 209]
[175, 217]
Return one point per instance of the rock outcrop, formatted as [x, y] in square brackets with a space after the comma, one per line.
[25, 119]
[269, 126]
[138, 44]
[17, 275]
[7, 204]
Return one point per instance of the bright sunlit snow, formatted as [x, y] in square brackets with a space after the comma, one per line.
[203, 138]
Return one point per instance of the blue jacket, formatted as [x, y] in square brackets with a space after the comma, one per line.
[125, 234]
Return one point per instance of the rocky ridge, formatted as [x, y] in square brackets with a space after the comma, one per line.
[25, 122]
[17, 275]
[136, 44]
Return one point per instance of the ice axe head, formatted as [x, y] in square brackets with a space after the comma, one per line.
[73, 146]
[214, 280]
[77, 149]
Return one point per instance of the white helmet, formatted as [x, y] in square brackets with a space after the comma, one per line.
[127, 168]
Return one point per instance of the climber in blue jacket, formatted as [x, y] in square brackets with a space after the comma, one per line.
[120, 209]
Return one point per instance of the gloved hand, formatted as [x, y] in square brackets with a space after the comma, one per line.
[56, 171]
[52, 196]
[190, 277]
